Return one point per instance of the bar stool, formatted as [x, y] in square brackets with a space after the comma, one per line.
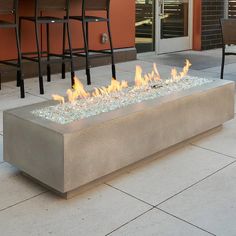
[10, 7]
[96, 6]
[38, 20]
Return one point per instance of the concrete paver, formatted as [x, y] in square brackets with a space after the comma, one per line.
[12, 100]
[160, 179]
[96, 212]
[15, 187]
[210, 204]
[158, 223]
[222, 141]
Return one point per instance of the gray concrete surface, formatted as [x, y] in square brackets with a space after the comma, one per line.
[196, 184]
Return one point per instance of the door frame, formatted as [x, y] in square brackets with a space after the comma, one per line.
[161, 44]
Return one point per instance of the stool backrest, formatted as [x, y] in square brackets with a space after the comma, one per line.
[44, 5]
[96, 5]
[228, 27]
[8, 6]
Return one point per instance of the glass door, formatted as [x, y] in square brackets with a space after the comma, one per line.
[174, 25]
[145, 25]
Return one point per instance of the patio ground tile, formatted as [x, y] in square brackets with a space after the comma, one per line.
[13, 100]
[131, 65]
[96, 212]
[15, 187]
[158, 223]
[1, 121]
[229, 69]
[222, 141]
[166, 176]
[210, 204]
[1, 149]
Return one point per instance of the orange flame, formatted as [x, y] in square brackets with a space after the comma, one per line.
[115, 86]
[144, 80]
[58, 98]
[78, 90]
[156, 75]
[174, 73]
[185, 69]
[139, 79]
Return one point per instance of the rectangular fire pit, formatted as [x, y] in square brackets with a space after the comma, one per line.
[68, 157]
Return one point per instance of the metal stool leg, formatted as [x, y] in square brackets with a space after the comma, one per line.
[85, 31]
[63, 67]
[112, 51]
[223, 62]
[18, 75]
[48, 55]
[41, 88]
[71, 55]
[20, 79]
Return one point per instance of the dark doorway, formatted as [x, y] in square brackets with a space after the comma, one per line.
[145, 25]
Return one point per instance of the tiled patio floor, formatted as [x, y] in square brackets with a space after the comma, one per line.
[188, 192]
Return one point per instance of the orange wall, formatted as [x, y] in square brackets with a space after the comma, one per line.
[197, 23]
[122, 24]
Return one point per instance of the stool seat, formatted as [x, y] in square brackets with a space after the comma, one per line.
[44, 19]
[89, 18]
[7, 24]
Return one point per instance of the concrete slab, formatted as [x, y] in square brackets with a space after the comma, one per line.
[12, 100]
[210, 204]
[31, 82]
[158, 223]
[222, 142]
[1, 121]
[14, 187]
[177, 59]
[161, 179]
[200, 61]
[54, 87]
[96, 212]
[130, 66]
[66, 157]
[9, 89]
[229, 69]
[1, 149]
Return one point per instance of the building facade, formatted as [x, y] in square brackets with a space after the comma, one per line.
[160, 26]
[174, 25]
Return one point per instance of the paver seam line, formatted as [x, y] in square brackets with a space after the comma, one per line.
[18, 203]
[129, 194]
[10, 86]
[36, 95]
[211, 150]
[121, 226]
[199, 181]
[168, 213]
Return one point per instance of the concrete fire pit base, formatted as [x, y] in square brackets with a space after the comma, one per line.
[66, 158]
